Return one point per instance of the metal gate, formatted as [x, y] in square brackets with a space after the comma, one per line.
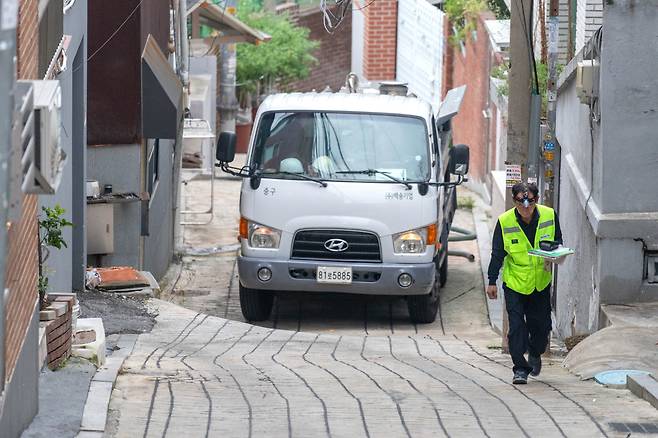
[420, 49]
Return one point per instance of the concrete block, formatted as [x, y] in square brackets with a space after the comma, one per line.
[89, 434]
[109, 371]
[94, 415]
[645, 387]
[93, 351]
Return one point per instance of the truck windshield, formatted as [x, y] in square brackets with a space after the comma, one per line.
[338, 146]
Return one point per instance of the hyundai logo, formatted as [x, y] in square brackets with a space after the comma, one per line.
[336, 245]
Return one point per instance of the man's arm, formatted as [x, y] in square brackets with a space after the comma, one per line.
[498, 254]
[558, 230]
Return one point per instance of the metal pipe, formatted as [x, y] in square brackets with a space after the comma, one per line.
[8, 18]
[181, 26]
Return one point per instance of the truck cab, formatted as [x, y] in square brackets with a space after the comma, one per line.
[345, 192]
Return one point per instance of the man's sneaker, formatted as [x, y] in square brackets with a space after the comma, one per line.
[535, 363]
[520, 377]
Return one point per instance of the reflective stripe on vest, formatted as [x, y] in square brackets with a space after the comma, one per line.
[521, 272]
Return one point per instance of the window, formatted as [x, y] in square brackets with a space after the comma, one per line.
[337, 146]
[153, 166]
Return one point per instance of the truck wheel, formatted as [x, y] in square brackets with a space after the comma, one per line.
[423, 308]
[443, 270]
[256, 304]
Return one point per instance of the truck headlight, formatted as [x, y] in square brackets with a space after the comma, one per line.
[261, 236]
[414, 241]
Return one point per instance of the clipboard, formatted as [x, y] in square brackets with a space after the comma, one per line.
[556, 256]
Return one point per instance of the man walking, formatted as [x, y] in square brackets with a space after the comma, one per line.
[526, 279]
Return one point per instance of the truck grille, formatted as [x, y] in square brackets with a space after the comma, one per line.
[362, 246]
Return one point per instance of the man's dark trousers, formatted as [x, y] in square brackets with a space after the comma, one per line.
[529, 324]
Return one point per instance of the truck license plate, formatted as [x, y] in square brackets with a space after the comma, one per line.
[329, 274]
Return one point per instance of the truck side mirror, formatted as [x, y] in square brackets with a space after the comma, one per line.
[459, 156]
[226, 147]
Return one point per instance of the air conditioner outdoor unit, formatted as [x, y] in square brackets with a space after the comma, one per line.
[587, 73]
[42, 158]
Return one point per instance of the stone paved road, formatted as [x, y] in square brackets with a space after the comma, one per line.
[199, 375]
[341, 366]
[208, 282]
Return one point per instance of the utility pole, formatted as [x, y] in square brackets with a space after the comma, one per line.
[520, 85]
[8, 21]
[549, 143]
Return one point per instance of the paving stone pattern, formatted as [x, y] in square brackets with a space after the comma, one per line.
[199, 375]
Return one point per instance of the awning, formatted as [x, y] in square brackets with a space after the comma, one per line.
[162, 94]
[232, 30]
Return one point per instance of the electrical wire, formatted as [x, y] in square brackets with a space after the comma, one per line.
[330, 20]
[90, 57]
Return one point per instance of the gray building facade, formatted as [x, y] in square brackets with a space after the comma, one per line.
[135, 121]
[66, 267]
[607, 201]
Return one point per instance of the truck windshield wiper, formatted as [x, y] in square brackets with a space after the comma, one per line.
[298, 175]
[371, 172]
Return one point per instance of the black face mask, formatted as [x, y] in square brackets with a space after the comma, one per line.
[525, 201]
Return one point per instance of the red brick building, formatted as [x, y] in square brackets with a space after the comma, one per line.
[470, 64]
[20, 401]
[380, 40]
[334, 53]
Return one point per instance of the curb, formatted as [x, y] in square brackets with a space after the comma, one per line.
[94, 415]
[645, 387]
[495, 307]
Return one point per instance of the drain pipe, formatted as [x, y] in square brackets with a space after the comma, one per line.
[8, 19]
[183, 49]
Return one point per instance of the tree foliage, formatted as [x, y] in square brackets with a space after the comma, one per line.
[287, 57]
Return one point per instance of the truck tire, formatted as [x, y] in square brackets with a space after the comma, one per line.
[256, 304]
[443, 270]
[423, 308]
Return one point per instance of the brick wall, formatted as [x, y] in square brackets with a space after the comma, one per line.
[379, 48]
[21, 259]
[334, 54]
[470, 66]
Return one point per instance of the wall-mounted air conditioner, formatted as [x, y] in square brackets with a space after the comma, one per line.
[42, 159]
[587, 77]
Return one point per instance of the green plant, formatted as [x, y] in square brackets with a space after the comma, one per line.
[50, 236]
[501, 72]
[463, 15]
[287, 57]
[499, 8]
[466, 203]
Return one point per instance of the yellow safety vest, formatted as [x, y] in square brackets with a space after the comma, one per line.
[521, 272]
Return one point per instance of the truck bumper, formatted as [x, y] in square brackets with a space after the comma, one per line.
[368, 278]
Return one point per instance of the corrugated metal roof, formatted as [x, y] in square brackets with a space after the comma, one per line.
[499, 33]
[217, 18]
[347, 102]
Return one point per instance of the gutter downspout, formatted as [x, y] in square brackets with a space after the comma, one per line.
[183, 48]
[7, 70]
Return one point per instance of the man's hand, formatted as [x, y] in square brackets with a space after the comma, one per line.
[492, 291]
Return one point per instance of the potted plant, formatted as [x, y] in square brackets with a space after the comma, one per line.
[51, 225]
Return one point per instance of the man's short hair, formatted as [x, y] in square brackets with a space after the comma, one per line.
[523, 187]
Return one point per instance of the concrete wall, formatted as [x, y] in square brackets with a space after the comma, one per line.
[158, 248]
[608, 177]
[21, 395]
[120, 165]
[71, 192]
